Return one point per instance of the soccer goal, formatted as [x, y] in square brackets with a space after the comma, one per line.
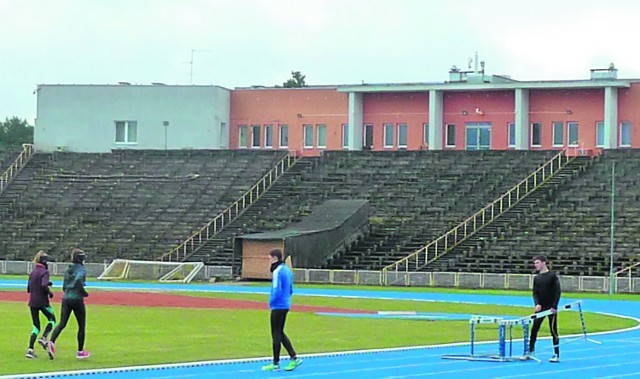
[127, 269]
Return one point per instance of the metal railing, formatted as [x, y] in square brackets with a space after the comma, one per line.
[225, 217]
[470, 280]
[629, 276]
[27, 152]
[441, 245]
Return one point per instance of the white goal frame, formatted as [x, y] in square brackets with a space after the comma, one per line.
[167, 272]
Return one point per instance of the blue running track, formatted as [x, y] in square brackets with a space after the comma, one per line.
[617, 357]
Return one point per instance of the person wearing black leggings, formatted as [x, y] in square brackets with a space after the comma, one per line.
[546, 295]
[280, 302]
[39, 289]
[73, 302]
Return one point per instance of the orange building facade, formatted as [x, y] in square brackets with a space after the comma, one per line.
[471, 113]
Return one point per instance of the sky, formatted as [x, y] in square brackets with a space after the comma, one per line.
[239, 43]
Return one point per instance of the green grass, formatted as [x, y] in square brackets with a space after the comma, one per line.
[123, 336]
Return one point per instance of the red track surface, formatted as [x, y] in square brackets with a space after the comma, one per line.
[158, 299]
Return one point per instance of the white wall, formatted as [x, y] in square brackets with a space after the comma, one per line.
[81, 118]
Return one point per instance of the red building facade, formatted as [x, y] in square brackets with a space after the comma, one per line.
[474, 112]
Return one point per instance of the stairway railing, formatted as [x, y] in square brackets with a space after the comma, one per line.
[227, 216]
[443, 244]
[23, 158]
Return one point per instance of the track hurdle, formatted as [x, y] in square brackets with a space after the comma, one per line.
[505, 336]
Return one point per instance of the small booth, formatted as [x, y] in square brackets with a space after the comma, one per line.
[331, 226]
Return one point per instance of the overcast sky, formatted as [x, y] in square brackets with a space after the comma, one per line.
[239, 43]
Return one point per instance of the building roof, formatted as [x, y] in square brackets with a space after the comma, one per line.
[462, 86]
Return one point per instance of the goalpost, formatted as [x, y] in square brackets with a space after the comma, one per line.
[128, 269]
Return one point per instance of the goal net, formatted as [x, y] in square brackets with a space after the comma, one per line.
[127, 269]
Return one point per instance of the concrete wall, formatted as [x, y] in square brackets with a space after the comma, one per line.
[82, 118]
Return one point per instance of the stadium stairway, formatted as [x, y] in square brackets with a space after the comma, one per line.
[432, 202]
[218, 250]
[466, 255]
[573, 228]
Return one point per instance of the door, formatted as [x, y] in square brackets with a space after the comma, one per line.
[478, 136]
[368, 136]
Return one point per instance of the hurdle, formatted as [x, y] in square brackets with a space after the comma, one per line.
[505, 336]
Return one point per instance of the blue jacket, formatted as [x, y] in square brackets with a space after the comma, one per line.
[281, 288]
[74, 280]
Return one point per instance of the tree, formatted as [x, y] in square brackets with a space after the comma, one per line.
[296, 81]
[14, 132]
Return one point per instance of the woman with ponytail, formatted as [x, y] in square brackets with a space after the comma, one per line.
[39, 289]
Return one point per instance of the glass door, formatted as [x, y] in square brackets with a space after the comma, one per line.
[478, 136]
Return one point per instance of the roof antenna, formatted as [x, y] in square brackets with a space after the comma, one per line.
[193, 51]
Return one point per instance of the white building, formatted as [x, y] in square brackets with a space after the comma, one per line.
[100, 118]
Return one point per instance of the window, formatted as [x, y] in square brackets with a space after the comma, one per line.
[345, 136]
[402, 135]
[599, 134]
[536, 134]
[425, 134]
[573, 133]
[558, 133]
[255, 136]
[451, 135]
[388, 135]
[512, 134]
[625, 134]
[308, 136]
[268, 136]
[126, 131]
[368, 136]
[284, 136]
[242, 138]
[321, 129]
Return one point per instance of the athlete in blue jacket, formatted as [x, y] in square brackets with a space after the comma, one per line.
[280, 302]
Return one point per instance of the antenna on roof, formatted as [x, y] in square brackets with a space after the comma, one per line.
[193, 51]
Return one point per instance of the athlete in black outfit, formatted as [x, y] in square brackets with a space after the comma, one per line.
[546, 295]
[73, 301]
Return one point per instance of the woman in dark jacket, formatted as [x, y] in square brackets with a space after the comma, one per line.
[39, 289]
[73, 301]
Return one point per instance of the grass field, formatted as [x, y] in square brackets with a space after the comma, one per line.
[123, 336]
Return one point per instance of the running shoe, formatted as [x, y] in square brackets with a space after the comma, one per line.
[271, 367]
[293, 364]
[83, 354]
[51, 349]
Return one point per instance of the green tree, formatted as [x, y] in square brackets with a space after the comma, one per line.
[296, 81]
[14, 132]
